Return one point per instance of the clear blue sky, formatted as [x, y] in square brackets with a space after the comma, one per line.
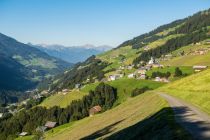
[78, 22]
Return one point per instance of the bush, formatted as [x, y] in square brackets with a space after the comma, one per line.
[139, 91]
[178, 72]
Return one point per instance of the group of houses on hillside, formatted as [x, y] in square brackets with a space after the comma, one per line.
[140, 73]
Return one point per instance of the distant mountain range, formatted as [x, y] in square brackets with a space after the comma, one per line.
[72, 54]
[22, 66]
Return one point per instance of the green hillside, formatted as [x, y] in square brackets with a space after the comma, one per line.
[135, 111]
[62, 100]
[22, 67]
[124, 89]
[189, 60]
[194, 89]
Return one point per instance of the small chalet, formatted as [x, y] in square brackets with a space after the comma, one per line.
[65, 91]
[94, 110]
[115, 77]
[159, 79]
[157, 65]
[142, 71]
[1, 115]
[77, 86]
[130, 67]
[146, 48]
[50, 124]
[132, 75]
[44, 92]
[38, 96]
[23, 134]
[199, 68]
[142, 76]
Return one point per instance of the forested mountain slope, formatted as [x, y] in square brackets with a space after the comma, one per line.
[22, 66]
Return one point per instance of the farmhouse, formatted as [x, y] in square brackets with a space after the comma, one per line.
[115, 77]
[142, 76]
[199, 68]
[146, 48]
[122, 67]
[159, 79]
[77, 86]
[157, 66]
[38, 96]
[151, 61]
[44, 92]
[94, 110]
[132, 75]
[65, 91]
[142, 70]
[200, 52]
[129, 67]
[50, 124]
[1, 115]
[23, 134]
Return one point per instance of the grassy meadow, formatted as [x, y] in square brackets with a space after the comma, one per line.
[193, 89]
[124, 89]
[185, 70]
[147, 112]
[189, 60]
[62, 100]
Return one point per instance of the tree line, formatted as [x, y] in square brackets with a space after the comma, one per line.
[172, 45]
[104, 95]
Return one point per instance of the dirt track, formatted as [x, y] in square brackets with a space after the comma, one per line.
[191, 118]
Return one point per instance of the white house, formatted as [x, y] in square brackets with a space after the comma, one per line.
[23, 134]
[132, 75]
[1, 115]
[115, 77]
[199, 68]
[151, 61]
[157, 79]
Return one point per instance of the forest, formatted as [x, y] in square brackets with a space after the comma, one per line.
[195, 29]
[28, 120]
[91, 69]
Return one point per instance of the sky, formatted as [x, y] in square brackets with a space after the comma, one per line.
[97, 22]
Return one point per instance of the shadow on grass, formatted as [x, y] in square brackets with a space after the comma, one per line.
[102, 132]
[160, 126]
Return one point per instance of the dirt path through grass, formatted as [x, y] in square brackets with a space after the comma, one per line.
[190, 117]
